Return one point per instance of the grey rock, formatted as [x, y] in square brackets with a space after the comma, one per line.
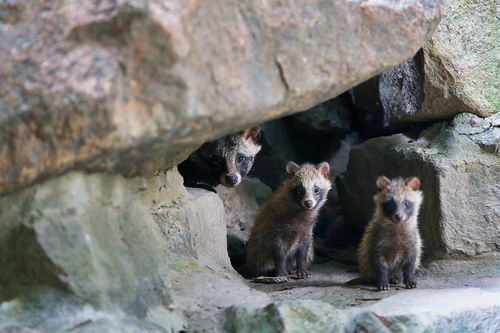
[459, 179]
[401, 92]
[455, 72]
[143, 253]
[88, 234]
[337, 154]
[241, 205]
[461, 65]
[455, 310]
[483, 131]
[490, 139]
[111, 85]
[388, 103]
[369, 322]
[43, 309]
[495, 119]
[288, 316]
[467, 123]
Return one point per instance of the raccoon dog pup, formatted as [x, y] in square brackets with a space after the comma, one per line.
[282, 231]
[391, 243]
[223, 161]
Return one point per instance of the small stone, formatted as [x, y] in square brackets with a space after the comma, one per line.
[271, 279]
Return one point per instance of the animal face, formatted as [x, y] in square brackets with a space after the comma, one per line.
[309, 184]
[235, 156]
[398, 198]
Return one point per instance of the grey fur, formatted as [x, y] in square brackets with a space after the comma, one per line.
[391, 246]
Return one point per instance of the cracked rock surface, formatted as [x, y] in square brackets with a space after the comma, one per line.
[108, 85]
[459, 165]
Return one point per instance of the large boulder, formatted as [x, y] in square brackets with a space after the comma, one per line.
[460, 178]
[456, 310]
[145, 247]
[461, 64]
[89, 234]
[108, 85]
[456, 71]
[241, 205]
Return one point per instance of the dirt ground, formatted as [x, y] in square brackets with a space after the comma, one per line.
[329, 279]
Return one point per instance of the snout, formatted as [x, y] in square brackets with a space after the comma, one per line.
[398, 217]
[308, 204]
[230, 180]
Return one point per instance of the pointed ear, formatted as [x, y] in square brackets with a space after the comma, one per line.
[292, 168]
[324, 169]
[413, 183]
[382, 182]
[252, 133]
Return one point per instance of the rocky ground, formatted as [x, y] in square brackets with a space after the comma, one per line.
[330, 282]
[452, 296]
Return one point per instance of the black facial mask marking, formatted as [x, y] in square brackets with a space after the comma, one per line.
[318, 193]
[389, 208]
[244, 163]
[298, 193]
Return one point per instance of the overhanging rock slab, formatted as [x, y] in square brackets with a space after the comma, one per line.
[108, 85]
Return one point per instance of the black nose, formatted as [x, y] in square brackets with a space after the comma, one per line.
[398, 217]
[231, 179]
[308, 203]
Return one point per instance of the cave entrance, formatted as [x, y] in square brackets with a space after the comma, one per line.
[325, 132]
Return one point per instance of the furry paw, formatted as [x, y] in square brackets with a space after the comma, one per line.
[303, 274]
[394, 280]
[383, 286]
[410, 284]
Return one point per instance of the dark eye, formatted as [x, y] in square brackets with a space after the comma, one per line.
[316, 190]
[407, 204]
[240, 158]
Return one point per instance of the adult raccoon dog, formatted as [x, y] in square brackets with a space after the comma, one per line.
[391, 243]
[282, 230]
[223, 161]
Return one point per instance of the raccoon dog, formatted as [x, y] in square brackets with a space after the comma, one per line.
[282, 231]
[391, 243]
[223, 161]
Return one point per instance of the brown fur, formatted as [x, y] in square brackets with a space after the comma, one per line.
[389, 246]
[284, 225]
